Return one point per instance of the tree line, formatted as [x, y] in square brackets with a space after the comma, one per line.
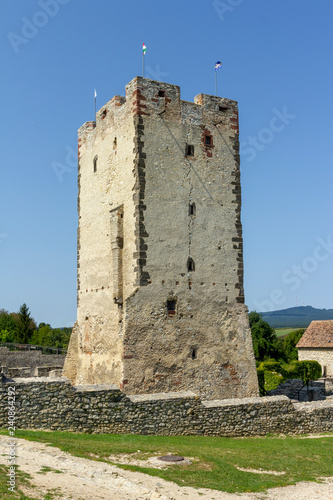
[21, 328]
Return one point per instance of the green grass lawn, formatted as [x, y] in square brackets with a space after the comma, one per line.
[214, 460]
[281, 332]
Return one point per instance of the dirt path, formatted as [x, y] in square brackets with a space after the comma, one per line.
[83, 479]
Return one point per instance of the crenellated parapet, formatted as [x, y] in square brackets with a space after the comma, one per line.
[155, 99]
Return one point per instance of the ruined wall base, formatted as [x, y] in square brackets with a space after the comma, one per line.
[56, 405]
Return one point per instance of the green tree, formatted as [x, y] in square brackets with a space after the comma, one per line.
[263, 336]
[26, 324]
[287, 345]
[45, 335]
[8, 324]
[6, 336]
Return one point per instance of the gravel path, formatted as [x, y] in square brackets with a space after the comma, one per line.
[84, 479]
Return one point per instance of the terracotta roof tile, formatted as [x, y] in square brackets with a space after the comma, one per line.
[318, 334]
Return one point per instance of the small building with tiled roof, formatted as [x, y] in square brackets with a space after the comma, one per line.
[317, 344]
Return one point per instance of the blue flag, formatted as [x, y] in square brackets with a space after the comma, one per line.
[218, 65]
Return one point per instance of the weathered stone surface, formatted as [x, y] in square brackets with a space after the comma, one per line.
[57, 405]
[141, 247]
[28, 363]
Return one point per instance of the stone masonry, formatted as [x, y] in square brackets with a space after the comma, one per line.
[160, 249]
[57, 405]
[28, 363]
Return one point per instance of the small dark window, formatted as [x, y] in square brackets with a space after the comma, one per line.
[223, 109]
[161, 93]
[171, 307]
[103, 114]
[191, 209]
[115, 143]
[208, 140]
[95, 163]
[194, 353]
[190, 264]
[189, 150]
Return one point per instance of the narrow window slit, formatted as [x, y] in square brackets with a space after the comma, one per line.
[190, 264]
[189, 150]
[192, 209]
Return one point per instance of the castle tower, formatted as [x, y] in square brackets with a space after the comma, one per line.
[160, 251]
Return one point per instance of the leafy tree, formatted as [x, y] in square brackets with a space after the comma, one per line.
[25, 323]
[45, 335]
[287, 345]
[263, 336]
[6, 336]
[8, 324]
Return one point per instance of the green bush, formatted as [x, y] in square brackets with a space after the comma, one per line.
[261, 381]
[271, 366]
[271, 373]
[268, 379]
[272, 380]
[305, 370]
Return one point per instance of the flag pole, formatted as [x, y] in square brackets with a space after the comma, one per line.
[95, 95]
[144, 48]
[218, 65]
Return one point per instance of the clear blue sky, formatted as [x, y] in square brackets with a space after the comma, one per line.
[277, 63]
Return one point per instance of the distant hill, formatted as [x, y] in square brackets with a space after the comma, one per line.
[296, 317]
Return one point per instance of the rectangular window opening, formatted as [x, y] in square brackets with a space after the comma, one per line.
[191, 209]
[194, 353]
[161, 93]
[189, 150]
[171, 307]
[208, 140]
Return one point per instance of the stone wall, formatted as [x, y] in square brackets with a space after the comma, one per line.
[324, 356]
[56, 405]
[28, 363]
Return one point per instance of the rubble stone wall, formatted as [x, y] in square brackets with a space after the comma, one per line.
[56, 405]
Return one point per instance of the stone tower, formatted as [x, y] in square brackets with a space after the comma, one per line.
[160, 251]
